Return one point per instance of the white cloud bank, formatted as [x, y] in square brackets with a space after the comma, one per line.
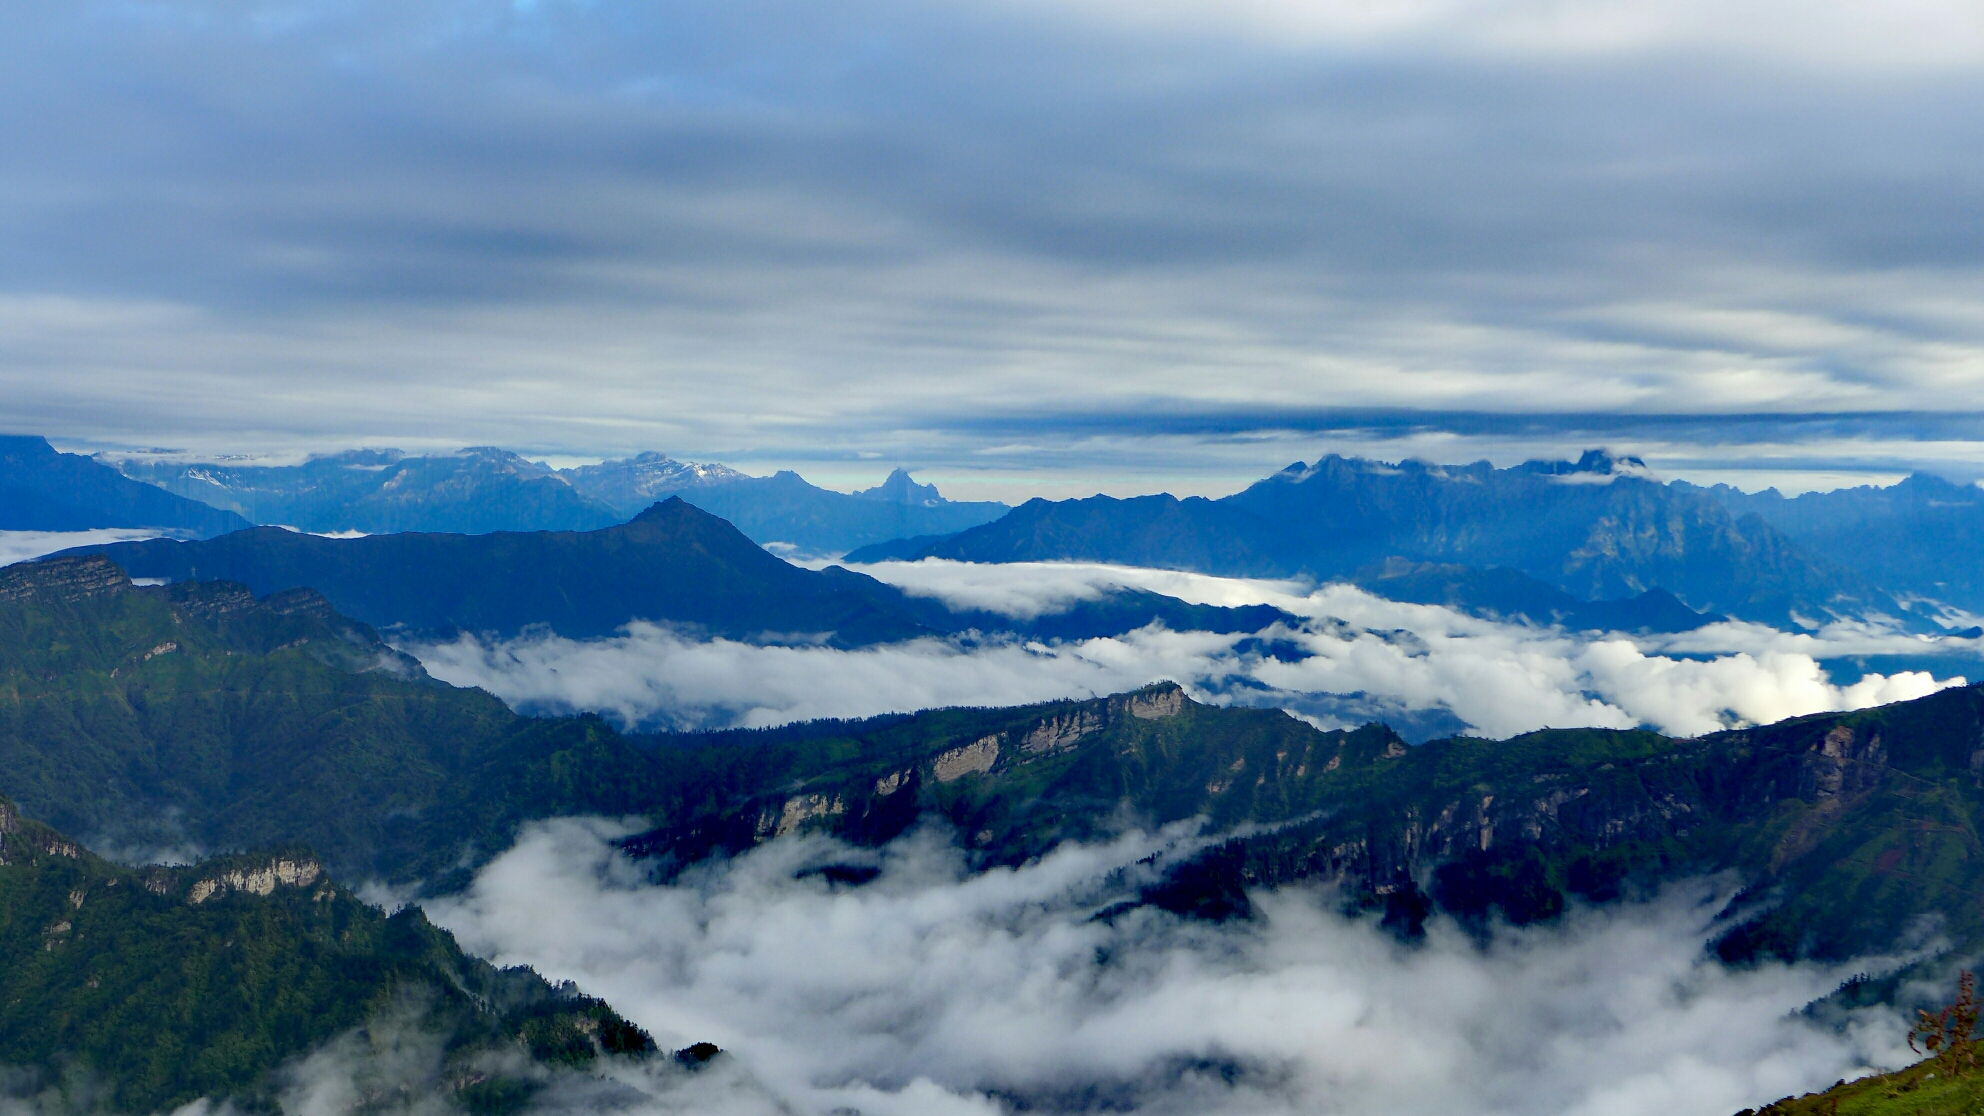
[931, 991]
[1498, 678]
[22, 546]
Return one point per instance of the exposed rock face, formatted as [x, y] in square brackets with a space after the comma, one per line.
[1155, 705]
[300, 602]
[804, 808]
[258, 880]
[1057, 733]
[212, 600]
[974, 758]
[10, 819]
[62, 579]
[48, 842]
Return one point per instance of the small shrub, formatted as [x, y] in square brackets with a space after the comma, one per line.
[1950, 1035]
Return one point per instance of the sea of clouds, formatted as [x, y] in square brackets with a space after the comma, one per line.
[934, 991]
[1396, 661]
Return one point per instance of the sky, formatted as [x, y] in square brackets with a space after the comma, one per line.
[1019, 246]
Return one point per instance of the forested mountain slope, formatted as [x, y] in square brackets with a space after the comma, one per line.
[196, 713]
[159, 986]
[1848, 827]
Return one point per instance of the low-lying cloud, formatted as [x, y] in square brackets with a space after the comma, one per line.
[933, 991]
[22, 546]
[1370, 657]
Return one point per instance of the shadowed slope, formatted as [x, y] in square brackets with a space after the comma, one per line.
[673, 564]
[42, 490]
[1598, 529]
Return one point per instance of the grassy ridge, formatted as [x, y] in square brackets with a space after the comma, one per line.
[1919, 1090]
[195, 714]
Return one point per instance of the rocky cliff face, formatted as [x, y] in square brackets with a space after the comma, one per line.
[261, 878]
[64, 580]
[1850, 828]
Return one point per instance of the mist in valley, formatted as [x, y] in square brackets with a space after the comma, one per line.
[933, 990]
[1393, 661]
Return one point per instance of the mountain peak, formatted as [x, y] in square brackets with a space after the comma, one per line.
[1594, 466]
[29, 447]
[900, 489]
[669, 508]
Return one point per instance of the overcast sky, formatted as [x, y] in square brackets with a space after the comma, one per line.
[1054, 246]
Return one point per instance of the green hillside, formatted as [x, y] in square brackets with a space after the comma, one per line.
[163, 716]
[1852, 826]
[1950, 1084]
[163, 985]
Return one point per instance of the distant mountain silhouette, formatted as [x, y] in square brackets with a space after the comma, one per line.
[1923, 536]
[478, 490]
[483, 489]
[898, 488]
[1598, 529]
[1163, 531]
[674, 563]
[42, 490]
[784, 508]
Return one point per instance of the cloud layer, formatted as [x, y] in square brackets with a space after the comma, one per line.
[962, 235]
[20, 546]
[932, 992]
[1498, 678]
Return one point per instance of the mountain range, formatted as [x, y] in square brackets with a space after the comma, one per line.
[244, 713]
[197, 713]
[783, 508]
[1598, 529]
[674, 564]
[42, 490]
[483, 489]
[1921, 537]
[479, 489]
[290, 740]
